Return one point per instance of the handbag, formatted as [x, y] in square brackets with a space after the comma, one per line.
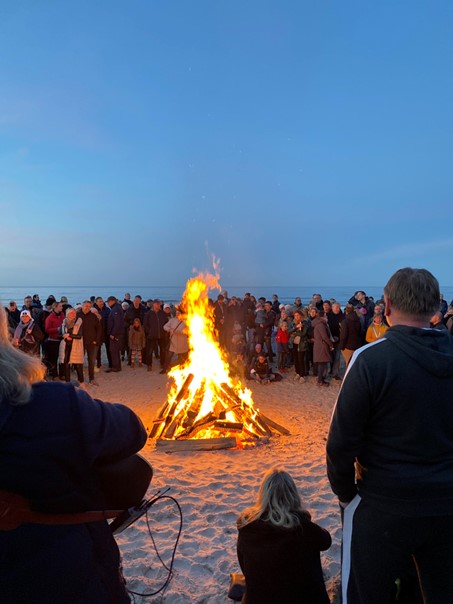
[236, 589]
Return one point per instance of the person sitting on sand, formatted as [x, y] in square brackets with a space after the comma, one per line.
[278, 546]
[261, 371]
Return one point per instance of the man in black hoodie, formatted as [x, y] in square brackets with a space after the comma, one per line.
[390, 450]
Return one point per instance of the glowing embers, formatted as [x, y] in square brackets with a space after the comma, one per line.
[206, 408]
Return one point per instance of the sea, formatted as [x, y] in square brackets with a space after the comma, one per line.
[173, 294]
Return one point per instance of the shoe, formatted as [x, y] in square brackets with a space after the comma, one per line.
[97, 369]
[162, 371]
[112, 370]
[150, 368]
[94, 383]
[337, 377]
[303, 380]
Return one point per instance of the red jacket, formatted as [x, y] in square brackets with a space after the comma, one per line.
[53, 322]
[282, 337]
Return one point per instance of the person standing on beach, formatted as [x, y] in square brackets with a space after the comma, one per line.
[115, 333]
[92, 330]
[390, 450]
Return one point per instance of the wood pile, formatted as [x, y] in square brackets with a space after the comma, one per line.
[177, 426]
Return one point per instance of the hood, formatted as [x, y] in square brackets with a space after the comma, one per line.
[432, 349]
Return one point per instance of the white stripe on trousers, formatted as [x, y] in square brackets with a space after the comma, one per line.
[347, 540]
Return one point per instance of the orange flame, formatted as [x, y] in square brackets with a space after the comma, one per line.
[205, 375]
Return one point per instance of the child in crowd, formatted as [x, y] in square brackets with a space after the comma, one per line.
[260, 315]
[282, 339]
[137, 341]
[278, 546]
[261, 372]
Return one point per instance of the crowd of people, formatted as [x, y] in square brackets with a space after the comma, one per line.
[262, 338]
[389, 447]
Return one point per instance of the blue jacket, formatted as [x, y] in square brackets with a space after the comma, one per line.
[115, 321]
[48, 451]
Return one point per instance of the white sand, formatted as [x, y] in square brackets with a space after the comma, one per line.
[212, 487]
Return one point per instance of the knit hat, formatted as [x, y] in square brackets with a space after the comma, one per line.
[25, 312]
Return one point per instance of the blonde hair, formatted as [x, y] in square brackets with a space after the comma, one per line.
[18, 371]
[278, 502]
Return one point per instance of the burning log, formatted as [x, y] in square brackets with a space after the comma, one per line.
[201, 423]
[229, 426]
[186, 417]
[204, 444]
[169, 408]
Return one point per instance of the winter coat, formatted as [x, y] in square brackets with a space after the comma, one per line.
[29, 343]
[302, 333]
[322, 345]
[115, 321]
[351, 332]
[53, 324]
[76, 355]
[92, 329]
[136, 338]
[50, 449]
[179, 341]
[154, 324]
[282, 564]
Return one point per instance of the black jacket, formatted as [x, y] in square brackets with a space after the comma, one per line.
[394, 413]
[351, 332]
[49, 451]
[283, 565]
[92, 328]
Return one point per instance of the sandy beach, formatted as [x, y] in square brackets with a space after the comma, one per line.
[212, 487]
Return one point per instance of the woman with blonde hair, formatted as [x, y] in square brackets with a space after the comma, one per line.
[278, 546]
[53, 438]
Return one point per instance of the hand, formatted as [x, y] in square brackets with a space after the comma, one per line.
[112, 337]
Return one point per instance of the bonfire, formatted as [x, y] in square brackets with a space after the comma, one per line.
[207, 408]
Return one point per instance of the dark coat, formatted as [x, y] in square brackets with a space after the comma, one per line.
[92, 328]
[115, 321]
[133, 313]
[351, 332]
[48, 455]
[154, 324]
[322, 346]
[283, 565]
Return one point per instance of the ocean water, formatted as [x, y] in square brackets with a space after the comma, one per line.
[173, 294]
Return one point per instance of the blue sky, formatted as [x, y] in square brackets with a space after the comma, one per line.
[299, 142]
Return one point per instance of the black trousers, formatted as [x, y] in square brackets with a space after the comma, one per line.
[155, 345]
[378, 546]
[91, 352]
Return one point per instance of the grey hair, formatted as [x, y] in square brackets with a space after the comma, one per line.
[414, 292]
[18, 371]
[278, 502]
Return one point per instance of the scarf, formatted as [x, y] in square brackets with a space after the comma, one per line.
[18, 332]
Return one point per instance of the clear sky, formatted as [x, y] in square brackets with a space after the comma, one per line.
[301, 142]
